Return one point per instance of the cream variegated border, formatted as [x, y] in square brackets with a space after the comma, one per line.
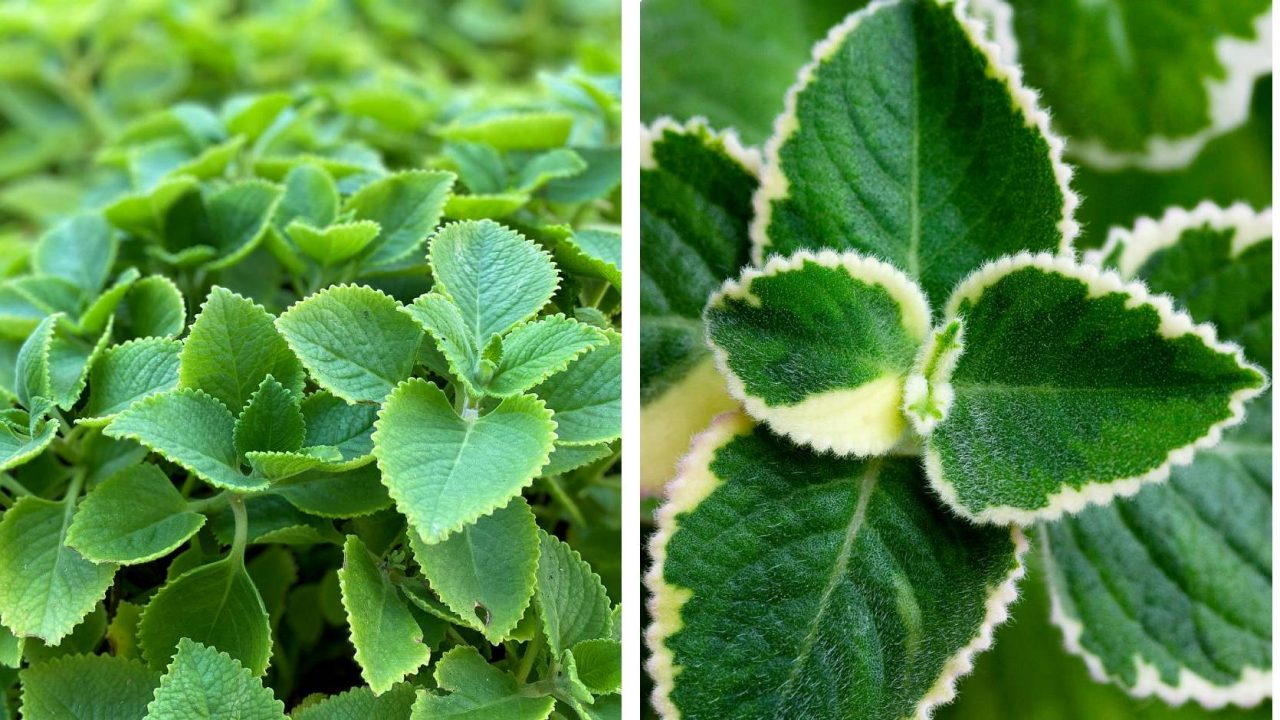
[787, 420]
[1173, 324]
[774, 185]
[1151, 235]
[1253, 686]
[693, 483]
[726, 140]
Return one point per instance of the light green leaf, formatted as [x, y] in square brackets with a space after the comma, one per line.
[216, 605]
[480, 167]
[214, 684]
[32, 376]
[446, 470]
[482, 206]
[190, 428]
[594, 253]
[100, 311]
[238, 218]
[496, 276]
[337, 495]
[19, 445]
[10, 648]
[587, 397]
[333, 423]
[551, 165]
[146, 213]
[69, 360]
[878, 597]
[387, 639]
[571, 457]
[334, 243]
[130, 372]
[134, 516]
[484, 573]
[361, 704]
[819, 345]
[911, 185]
[153, 307]
[271, 422]
[1076, 387]
[310, 196]
[46, 588]
[353, 340]
[251, 115]
[406, 206]
[477, 689]
[232, 346]
[276, 465]
[534, 351]
[571, 600]
[513, 131]
[601, 179]
[442, 319]
[599, 665]
[81, 249]
[81, 687]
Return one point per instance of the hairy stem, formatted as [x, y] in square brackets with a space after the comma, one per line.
[530, 655]
[242, 527]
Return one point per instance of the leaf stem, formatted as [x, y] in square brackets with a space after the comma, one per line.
[562, 497]
[209, 503]
[9, 483]
[530, 655]
[73, 492]
[242, 527]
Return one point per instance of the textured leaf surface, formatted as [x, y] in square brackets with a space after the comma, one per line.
[536, 350]
[345, 494]
[587, 397]
[361, 704]
[387, 639]
[332, 422]
[819, 345]
[153, 307]
[238, 218]
[271, 422]
[215, 605]
[407, 207]
[353, 340]
[46, 588]
[87, 687]
[81, 249]
[444, 470]
[18, 446]
[878, 596]
[134, 516]
[476, 689]
[1072, 388]
[204, 683]
[599, 665]
[909, 184]
[443, 320]
[571, 600]
[335, 243]
[484, 572]
[595, 253]
[129, 372]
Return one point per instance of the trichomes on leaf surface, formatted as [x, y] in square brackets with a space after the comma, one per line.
[922, 373]
[311, 397]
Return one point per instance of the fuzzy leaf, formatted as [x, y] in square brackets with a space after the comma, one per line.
[361, 704]
[87, 686]
[271, 422]
[587, 397]
[334, 243]
[20, 445]
[153, 307]
[594, 253]
[446, 470]
[215, 605]
[81, 249]
[333, 423]
[134, 516]
[337, 495]
[46, 587]
[406, 206]
[551, 165]
[442, 319]
[484, 573]
[232, 346]
[130, 372]
[309, 196]
[571, 600]
[534, 351]
[213, 684]
[933, 196]
[353, 340]
[513, 131]
[477, 689]
[239, 217]
[482, 207]
[599, 665]
[387, 639]
[571, 457]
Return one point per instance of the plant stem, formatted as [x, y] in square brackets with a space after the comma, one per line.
[562, 497]
[242, 528]
[530, 655]
[8, 483]
[209, 503]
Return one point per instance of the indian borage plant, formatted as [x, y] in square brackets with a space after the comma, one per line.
[237, 484]
[845, 547]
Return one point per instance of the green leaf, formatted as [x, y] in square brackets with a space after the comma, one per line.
[130, 372]
[1076, 387]
[310, 196]
[484, 573]
[446, 470]
[406, 206]
[69, 360]
[571, 600]
[353, 340]
[87, 686]
[551, 165]
[513, 131]
[215, 605]
[478, 690]
[232, 346]
[19, 446]
[599, 665]
[534, 351]
[911, 185]
[595, 253]
[361, 704]
[571, 457]
[271, 422]
[337, 495]
[81, 249]
[133, 516]
[480, 207]
[146, 213]
[33, 378]
[335, 243]
[480, 167]
[46, 587]
[214, 684]
[252, 115]
[443, 321]
[239, 217]
[819, 345]
[333, 423]
[587, 397]
[496, 276]
[878, 597]
[153, 307]
[190, 428]
[387, 639]
[277, 465]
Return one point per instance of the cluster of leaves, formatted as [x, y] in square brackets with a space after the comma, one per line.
[312, 396]
[864, 506]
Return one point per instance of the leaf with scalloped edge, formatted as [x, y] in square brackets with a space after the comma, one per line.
[19, 445]
[129, 372]
[387, 639]
[594, 253]
[878, 597]
[360, 704]
[571, 601]
[818, 346]
[76, 687]
[232, 346]
[484, 572]
[191, 428]
[216, 605]
[336, 494]
[599, 665]
[46, 587]
[354, 340]
[534, 351]
[586, 397]
[406, 206]
[153, 307]
[239, 216]
[484, 206]
[132, 517]
[214, 684]
[441, 318]
[309, 196]
[446, 470]
[945, 161]
[333, 423]
[335, 243]
[69, 361]
[477, 689]
[271, 422]
[1071, 387]
[565, 458]
[81, 249]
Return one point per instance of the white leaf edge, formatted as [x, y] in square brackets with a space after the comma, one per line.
[693, 483]
[808, 422]
[1253, 687]
[1173, 324]
[726, 140]
[1151, 235]
[775, 186]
